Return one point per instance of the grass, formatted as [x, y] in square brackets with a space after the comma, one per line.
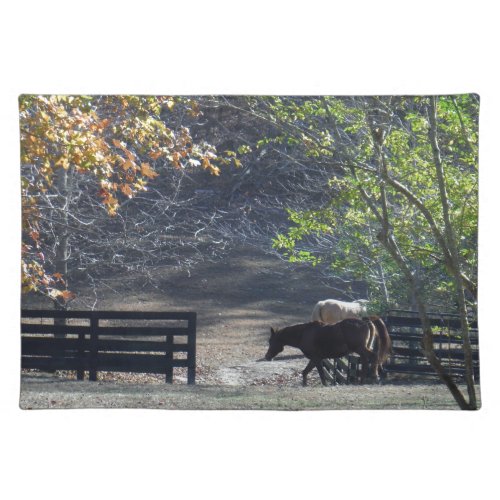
[37, 394]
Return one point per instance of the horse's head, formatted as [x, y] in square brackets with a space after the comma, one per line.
[275, 345]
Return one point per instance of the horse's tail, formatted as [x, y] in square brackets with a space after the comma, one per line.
[316, 314]
[384, 340]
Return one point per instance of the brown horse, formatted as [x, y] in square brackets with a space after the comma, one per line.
[367, 337]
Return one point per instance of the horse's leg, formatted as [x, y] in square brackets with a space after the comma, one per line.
[372, 355]
[306, 371]
[375, 365]
[320, 368]
[365, 361]
[378, 370]
[370, 344]
[369, 364]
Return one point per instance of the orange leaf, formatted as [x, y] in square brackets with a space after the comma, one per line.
[110, 200]
[155, 154]
[67, 295]
[129, 164]
[130, 155]
[148, 171]
[126, 190]
[63, 162]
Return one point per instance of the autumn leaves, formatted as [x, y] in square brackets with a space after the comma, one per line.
[117, 142]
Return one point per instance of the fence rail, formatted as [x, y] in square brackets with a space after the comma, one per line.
[405, 329]
[95, 341]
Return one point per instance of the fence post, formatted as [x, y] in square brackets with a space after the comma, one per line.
[169, 358]
[94, 335]
[192, 348]
[352, 372]
[80, 372]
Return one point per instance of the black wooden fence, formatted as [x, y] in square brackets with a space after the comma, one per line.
[343, 370]
[118, 341]
[405, 329]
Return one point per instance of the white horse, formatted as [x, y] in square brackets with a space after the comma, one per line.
[332, 311]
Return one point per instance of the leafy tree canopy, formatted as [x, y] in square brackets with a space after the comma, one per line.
[117, 142]
[382, 169]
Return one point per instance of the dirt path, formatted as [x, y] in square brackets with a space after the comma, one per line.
[283, 371]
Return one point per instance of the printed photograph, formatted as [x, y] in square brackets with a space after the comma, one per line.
[234, 252]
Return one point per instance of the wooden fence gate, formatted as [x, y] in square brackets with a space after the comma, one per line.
[118, 341]
[405, 329]
[342, 370]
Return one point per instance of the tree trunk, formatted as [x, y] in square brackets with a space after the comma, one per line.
[452, 245]
[427, 341]
[61, 250]
[383, 282]
[386, 238]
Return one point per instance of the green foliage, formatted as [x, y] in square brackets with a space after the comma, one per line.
[346, 129]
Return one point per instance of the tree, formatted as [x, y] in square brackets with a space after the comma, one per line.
[84, 157]
[403, 198]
